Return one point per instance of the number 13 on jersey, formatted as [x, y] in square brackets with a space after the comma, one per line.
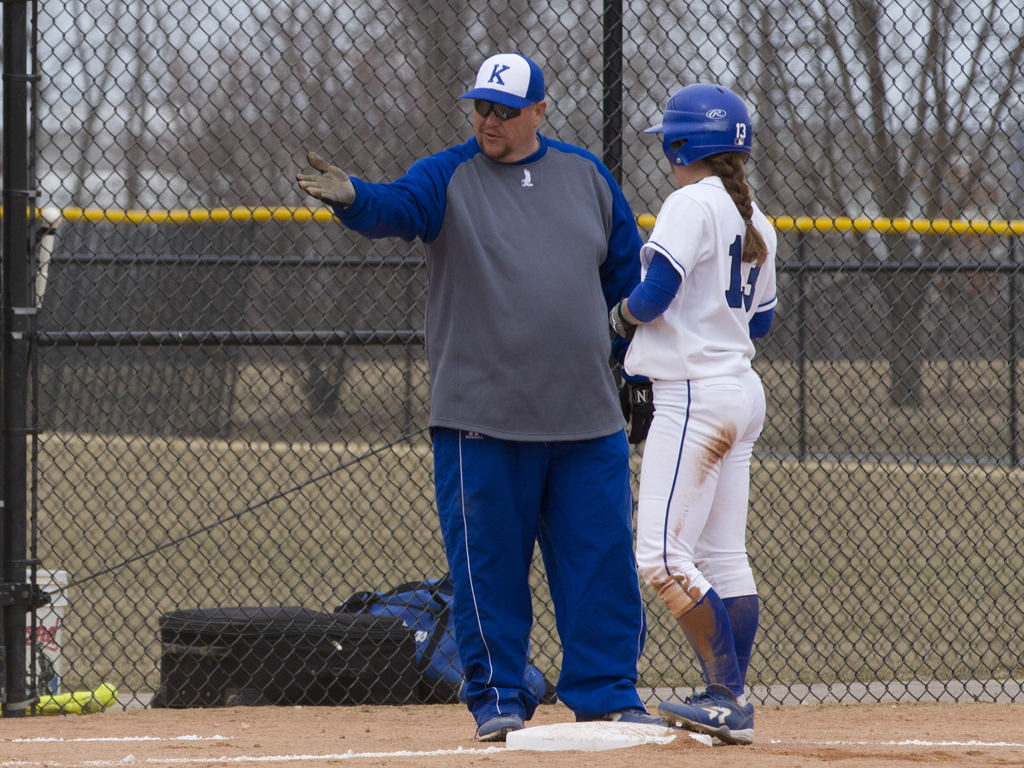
[740, 293]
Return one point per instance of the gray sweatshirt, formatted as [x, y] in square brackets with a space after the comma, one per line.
[524, 262]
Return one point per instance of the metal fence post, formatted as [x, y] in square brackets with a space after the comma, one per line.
[612, 78]
[16, 326]
[801, 336]
[1014, 352]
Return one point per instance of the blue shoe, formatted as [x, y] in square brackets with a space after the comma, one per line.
[497, 728]
[631, 715]
[714, 712]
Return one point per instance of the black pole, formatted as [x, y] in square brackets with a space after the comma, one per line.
[33, 512]
[801, 340]
[1011, 319]
[612, 79]
[16, 327]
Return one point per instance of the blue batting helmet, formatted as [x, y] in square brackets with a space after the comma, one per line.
[702, 120]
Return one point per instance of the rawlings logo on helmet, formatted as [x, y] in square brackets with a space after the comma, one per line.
[703, 119]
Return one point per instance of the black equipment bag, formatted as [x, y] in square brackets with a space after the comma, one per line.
[285, 656]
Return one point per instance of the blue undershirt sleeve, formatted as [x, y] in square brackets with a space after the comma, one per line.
[660, 285]
[759, 323]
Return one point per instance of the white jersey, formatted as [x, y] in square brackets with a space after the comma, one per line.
[704, 332]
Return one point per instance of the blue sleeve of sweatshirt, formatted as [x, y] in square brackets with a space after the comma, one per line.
[411, 207]
[760, 323]
[620, 272]
[660, 285]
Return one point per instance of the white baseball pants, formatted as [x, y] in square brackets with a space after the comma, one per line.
[695, 488]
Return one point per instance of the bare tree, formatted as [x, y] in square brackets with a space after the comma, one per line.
[868, 109]
[96, 97]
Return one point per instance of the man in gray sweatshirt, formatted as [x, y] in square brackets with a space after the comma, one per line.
[530, 242]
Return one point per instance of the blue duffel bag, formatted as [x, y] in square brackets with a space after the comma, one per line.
[425, 607]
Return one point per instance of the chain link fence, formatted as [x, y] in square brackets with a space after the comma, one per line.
[231, 402]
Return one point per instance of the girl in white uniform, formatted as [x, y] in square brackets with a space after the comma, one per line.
[708, 288]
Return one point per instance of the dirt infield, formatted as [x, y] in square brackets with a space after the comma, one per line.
[441, 737]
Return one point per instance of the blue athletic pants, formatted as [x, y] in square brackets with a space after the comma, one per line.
[495, 499]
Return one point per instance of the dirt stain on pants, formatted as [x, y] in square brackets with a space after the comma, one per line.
[678, 594]
[718, 446]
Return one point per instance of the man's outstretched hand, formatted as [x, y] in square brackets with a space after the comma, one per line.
[329, 183]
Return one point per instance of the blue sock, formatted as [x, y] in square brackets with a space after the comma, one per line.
[709, 633]
[743, 614]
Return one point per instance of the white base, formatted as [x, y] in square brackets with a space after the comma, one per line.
[587, 737]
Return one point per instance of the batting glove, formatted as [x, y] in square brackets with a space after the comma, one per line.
[330, 183]
[621, 324]
[637, 402]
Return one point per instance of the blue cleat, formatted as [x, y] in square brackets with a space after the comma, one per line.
[714, 712]
[631, 715]
[497, 728]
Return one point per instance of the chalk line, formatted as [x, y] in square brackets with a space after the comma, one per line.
[119, 738]
[131, 760]
[350, 755]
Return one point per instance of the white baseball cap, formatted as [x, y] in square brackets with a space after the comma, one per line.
[510, 79]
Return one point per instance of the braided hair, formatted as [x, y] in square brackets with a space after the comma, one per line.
[728, 166]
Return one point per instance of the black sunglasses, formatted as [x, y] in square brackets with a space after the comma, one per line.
[484, 108]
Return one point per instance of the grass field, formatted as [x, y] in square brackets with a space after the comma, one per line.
[868, 570]
[844, 406]
[874, 567]
[966, 411]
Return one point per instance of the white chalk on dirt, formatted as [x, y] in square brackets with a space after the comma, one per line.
[587, 737]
